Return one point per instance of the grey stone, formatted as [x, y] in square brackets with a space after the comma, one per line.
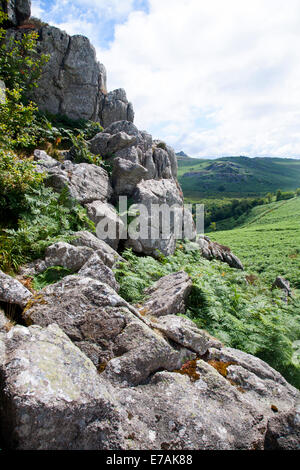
[213, 250]
[96, 269]
[17, 10]
[51, 396]
[184, 332]
[283, 284]
[72, 80]
[126, 175]
[106, 144]
[12, 291]
[2, 92]
[168, 295]
[44, 160]
[106, 328]
[114, 106]
[66, 255]
[86, 182]
[106, 216]
[108, 255]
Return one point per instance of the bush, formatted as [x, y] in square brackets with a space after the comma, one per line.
[18, 178]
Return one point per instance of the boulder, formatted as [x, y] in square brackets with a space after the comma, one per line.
[184, 332]
[96, 269]
[126, 175]
[109, 226]
[283, 284]
[86, 182]
[106, 328]
[51, 396]
[44, 160]
[17, 11]
[73, 79]
[213, 250]
[168, 295]
[66, 255]
[106, 144]
[158, 234]
[12, 291]
[114, 106]
[108, 255]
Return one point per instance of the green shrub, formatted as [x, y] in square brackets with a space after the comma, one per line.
[17, 179]
[49, 218]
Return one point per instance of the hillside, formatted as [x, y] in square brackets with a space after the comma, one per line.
[267, 240]
[237, 176]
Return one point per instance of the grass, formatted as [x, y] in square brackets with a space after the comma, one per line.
[267, 240]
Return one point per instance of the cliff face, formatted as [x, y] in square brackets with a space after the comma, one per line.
[73, 82]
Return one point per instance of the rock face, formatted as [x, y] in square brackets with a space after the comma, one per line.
[12, 291]
[51, 396]
[114, 106]
[86, 182]
[213, 250]
[17, 10]
[47, 384]
[168, 295]
[283, 284]
[107, 254]
[109, 226]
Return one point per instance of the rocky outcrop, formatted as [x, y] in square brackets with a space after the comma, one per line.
[283, 284]
[213, 250]
[109, 225]
[47, 384]
[12, 291]
[114, 106]
[107, 254]
[106, 328]
[17, 11]
[86, 182]
[96, 269]
[168, 295]
[51, 396]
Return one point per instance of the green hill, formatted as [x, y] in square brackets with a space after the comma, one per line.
[237, 176]
[267, 240]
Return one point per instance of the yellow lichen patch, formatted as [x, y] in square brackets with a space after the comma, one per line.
[220, 366]
[27, 282]
[143, 311]
[190, 369]
[37, 299]
[101, 367]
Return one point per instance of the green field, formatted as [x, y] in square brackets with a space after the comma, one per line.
[236, 176]
[267, 240]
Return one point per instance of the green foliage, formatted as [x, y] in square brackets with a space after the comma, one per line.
[267, 240]
[243, 316]
[17, 122]
[284, 195]
[20, 64]
[50, 276]
[80, 151]
[18, 178]
[50, 218]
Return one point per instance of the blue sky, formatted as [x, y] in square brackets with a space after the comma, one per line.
[210, 78]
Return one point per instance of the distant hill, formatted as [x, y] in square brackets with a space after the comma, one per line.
[182, 154]
[237, 176]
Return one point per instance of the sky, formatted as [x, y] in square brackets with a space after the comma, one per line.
[211, 78]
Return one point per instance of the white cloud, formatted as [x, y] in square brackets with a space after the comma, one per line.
[211, 78]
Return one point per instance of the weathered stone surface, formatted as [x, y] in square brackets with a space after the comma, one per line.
[184, 332]
[158, 236]
[283, 432]
[51, 396]
[103, 216]
[96, 269]
[4, 322]
[283, 284]
[126, 176]
[114, 106]
[41, 157]
[108, 255]
[2, 92]
[86, 182]
[17, 10]
[213, 250]
[72, 79]
[168, 295]
[143, 139]
[12, 291]
[68, 256]
[104, 326]
[107, 144]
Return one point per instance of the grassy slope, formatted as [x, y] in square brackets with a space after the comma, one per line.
[268, 240]
[248, 176]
